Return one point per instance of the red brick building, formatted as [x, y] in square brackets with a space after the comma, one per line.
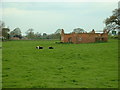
[15, 38]
[77, 38]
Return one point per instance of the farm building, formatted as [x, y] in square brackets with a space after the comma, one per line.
[77, 38]
[15, 38]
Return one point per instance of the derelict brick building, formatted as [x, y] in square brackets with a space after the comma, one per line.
[77, 38]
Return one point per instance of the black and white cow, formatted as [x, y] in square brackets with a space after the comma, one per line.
[39, 47]
[51, 48]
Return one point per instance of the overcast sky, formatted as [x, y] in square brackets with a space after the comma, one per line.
[50, 16]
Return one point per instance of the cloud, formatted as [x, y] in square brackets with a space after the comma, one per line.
[13, 11]
[82, 7]
[39, 20]
[48, 17]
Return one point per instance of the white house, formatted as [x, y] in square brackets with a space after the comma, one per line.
[115, 30]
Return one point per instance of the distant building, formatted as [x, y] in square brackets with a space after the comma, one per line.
[15, 38]
[115, 31]
[77, 38]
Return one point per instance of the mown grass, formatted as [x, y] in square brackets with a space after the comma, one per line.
[0, 64]
[93, 65]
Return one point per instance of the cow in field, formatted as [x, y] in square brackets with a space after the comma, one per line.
[51, 48]
[39, 47]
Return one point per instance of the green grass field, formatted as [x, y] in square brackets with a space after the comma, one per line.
[0, 64]
[93, 65]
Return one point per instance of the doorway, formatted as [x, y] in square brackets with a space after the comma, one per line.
[70, 40]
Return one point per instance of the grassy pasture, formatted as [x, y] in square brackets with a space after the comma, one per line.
[93, 65]
[0, 64]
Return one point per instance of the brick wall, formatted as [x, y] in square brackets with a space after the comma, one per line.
[14, 38]
[83, 37]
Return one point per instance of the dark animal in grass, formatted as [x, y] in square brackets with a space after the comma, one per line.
[39, 47]
[51, 48]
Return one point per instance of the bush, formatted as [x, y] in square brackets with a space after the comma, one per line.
[63, 42]
[113, 37]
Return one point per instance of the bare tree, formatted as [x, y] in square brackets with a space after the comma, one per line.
[30, 33]
[2, 25]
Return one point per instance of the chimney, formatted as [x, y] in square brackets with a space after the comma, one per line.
[93, 31]
[62, 32]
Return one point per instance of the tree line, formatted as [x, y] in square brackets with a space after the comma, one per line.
[30, 34]
[6, 34]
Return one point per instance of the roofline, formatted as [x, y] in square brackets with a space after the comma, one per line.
[84, 33]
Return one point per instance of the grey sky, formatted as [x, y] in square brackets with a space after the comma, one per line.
[50, 16]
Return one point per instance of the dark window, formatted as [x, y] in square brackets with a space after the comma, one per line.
[70, 39]
[114, 32]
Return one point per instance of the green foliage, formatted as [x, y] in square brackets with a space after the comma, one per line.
[16, 33]
[78, 30]
[37, 35]
[5, 33]
[113, 22]
[54, 36]
[111, 19]
[93, 65]
[64, 43]
[30, 33]
[113, 37]
[58, 31]
[114, 17]
[2, 25]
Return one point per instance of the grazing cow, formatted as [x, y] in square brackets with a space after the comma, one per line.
[39, 47]
[51, 48]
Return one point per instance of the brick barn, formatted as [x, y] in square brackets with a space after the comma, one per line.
[77, 38]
